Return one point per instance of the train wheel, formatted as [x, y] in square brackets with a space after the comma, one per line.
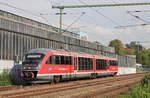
[93, 76]
[115, 74]
[56, 79]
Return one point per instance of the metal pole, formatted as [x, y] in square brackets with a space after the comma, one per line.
[138, 53]
[60, 21]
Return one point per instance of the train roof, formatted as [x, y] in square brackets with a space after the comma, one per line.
[39, 50]
[46, 50]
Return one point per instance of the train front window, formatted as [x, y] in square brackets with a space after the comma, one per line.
[33, 58]
[49, 61]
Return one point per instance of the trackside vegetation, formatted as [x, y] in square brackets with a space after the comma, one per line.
[133, 48]
[5, 78]
[140, 91]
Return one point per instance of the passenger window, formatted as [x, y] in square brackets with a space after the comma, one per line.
[67, 60]
[57, 59]
[101, 64]
[49, 60]
[61, 60]
[85, 63]
[114, 63]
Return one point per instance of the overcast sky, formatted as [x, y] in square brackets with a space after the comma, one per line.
[99, 23]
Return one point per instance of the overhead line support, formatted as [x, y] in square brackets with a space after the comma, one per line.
[98, 5]
[101, 5]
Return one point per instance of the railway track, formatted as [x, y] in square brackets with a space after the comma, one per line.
[109, 91]
[58, 88]
[10, 87]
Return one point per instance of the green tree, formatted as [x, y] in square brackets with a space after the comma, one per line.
[137, 47]
[129, 51]
[139, 51]
[118, 45]
[142, 54]
[144, 57]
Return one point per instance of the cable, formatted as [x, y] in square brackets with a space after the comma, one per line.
[24, 11]
[137, 17]
[144, 24]
[46, 20]
[17, 8]
[40, 15]
[132, 25]
[138, 11]
[101, 14]
[58, 3]
[74, 21]
[76, 13]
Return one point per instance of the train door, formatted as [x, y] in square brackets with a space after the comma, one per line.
[94, 73]
[107, 64]
[75, 66]
[94, 64]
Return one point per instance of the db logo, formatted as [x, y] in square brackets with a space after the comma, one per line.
[49, 69]
[62, 69]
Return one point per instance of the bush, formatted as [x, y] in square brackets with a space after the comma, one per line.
[145, 81]
[140, 91]
[5, 78]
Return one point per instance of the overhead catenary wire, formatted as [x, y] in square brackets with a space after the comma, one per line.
[53, 20]
[138, 11]
[137, 17]
[106, 17]
[74, 21]
[25, 11]
[99, 13]
[6, 4]
[128, 12]
[102, 5]
[31, 13]
[135, 25]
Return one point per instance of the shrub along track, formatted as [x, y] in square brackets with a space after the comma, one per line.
[109, 85]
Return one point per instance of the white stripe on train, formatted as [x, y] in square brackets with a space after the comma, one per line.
[51, 74]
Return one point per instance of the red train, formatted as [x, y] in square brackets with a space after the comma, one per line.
[54, 65]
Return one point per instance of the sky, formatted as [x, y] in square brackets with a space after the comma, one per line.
[100, 23]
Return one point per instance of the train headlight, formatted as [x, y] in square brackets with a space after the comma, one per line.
[29, 67]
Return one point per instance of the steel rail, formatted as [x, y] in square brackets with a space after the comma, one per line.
[48, 90]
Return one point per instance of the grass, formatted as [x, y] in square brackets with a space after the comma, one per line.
[140, 91]
[5, 78]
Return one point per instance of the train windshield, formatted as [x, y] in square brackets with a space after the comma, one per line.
[33, 58]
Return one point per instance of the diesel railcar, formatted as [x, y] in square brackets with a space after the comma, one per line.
[55, 65]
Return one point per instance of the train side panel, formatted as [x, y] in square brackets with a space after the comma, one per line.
[57, 65]
[60, 68]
